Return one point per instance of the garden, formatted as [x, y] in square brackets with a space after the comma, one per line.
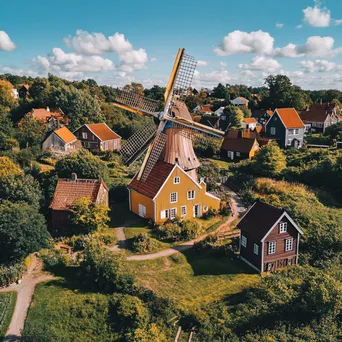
[7, 304]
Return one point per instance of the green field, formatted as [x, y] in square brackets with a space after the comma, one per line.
[195, 279]
[7, 304]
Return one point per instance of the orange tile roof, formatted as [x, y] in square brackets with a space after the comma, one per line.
[68, 191]
[154, 181]
[242, 99]
[290, 118]
[249, 120]
[269, 112]
[43, 114]
[102, 131]
[65, 135]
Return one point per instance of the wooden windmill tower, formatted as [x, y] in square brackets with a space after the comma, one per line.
[172, 141]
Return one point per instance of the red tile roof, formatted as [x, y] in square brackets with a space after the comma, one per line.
[290, 118]
[249, 120]
[102, 131]
[243, 145]
[154, 181]
[65, 135]
[68, 191]
[313, 115]
[269, 112]
[42, 114]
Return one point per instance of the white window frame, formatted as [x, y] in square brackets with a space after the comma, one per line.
[288, 244]
[183, 210]
[164, 214]
[291, 131]
[176, 180]
[243, 241]
[175, 213]
[115, 144]
[191, 195]
[289, 142]
[256, 248]
[84, 135]
[289, 262]
[175, 200]
[238, 154]
[272, 247]
[282, 227]
[296, 131]
[273, 130]
[106, 146]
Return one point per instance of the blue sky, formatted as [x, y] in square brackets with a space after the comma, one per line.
[116, 42]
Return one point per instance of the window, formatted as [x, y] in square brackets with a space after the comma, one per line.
[289, 262]
[238, 154]
[256, 249]
[289, 141]
[173, 197]
[173, 212]
[291, 131]
[283, 227]
[243, 241]
[205, 208]
[271, 247]
[106, 146]
[86, 144]
[115, 144]
[296, 131]
[230, 154]
[164, 214]
[288, 245]
[191, 194]
[273, 130]
[269, 266]
[176, 180]
[84, 135]
[183, 208]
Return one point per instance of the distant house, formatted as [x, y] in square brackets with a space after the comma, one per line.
[24, 91]
[269, 238]
[249, 123]
[208, 120]
[61, 140]
[262, 115]
[15, 93]
[98, 137]
[53, 118]
[219, 111]
[68, 191]
[286, 127]
[237, 147]
[203, 110]
[239, 101]
[169, 192]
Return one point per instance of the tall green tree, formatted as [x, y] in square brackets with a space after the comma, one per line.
[234, 116]
[220, 91]
[30, 132]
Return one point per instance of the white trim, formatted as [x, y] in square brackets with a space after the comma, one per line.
[298, 236]
[154, 211]
[174, 180]
[269, 250]
[171, 193]
[257, 248]
[281, 216]
[262, 256]
[212, 196]
[248, 263]
[183, 206]
[291, 244]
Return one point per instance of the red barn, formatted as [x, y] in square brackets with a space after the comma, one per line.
[269, 238]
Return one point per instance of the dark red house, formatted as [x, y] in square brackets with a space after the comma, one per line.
[98, 137]
[269, 238]
[68, 191]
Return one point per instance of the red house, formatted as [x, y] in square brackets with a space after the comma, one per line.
[269, 238]
[98, 137]
[68, 191]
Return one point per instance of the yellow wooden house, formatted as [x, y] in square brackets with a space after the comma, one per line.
[168, 192]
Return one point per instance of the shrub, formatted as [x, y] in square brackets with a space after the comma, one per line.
[54, 258]
[190, 229]
[143, 243]
[11, 273]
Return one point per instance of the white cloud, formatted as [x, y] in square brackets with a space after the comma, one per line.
[299, 26]
[6, 43]
[319, 65]
[316, 16]
[202, 63]
[279, 25]
[243, 42]
[17, 71]
[337, 22]
[133, 60]
[261, 63]
[153, 59]
[223, 64]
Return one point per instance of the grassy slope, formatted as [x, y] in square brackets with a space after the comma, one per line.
[193, 279]
[7, 304]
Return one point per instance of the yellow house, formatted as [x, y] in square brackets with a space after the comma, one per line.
[169, 192]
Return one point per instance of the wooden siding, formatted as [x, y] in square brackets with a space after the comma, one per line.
[137, 199]
[280, 135]
[55, 144]
[103, 196]
[248, 251]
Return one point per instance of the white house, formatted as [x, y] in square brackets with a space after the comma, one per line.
[219, 111]
[61, 140]
[240, 101]
[249, 123]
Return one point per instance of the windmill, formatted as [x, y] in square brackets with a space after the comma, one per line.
[173, 140]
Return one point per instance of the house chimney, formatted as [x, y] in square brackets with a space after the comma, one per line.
[74, 177]
[47, 109]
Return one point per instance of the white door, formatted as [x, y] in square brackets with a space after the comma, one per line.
[142, 210]
[197, 210]
[230, 155]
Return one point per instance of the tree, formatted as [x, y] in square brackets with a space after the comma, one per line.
[135, 88]
[8, 168]
[155, 93]
[6, 97]
[6, 128]
[220, 91]
[22, 231]
[234, 116]
[270, 161]
[89, 217]
[31, 132]
[84, 164]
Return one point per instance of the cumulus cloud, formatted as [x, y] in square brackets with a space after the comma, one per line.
[316, 16]
[279, 25]
[243, 42]
[202, 63]
[223, 64]
[17, 71]
[319, 65]
[261, 63]
[6, 43]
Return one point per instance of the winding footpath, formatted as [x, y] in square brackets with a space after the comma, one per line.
[238, 209]
[25, 291]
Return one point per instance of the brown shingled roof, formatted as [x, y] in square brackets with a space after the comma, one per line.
[243, 145]
[154, 181]
[68, 191]
[290, 118]
[313, 115]
[260, 219]
[65, 135]
[102, 131]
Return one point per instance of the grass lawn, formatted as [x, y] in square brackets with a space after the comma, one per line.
[7, 304]
[64, 314]
[195, 279]
[220, 164]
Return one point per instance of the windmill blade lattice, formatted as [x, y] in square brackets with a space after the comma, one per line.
[137, 143]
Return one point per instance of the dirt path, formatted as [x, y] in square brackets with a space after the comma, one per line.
[122, 243]
[24, 291]
[238, 209]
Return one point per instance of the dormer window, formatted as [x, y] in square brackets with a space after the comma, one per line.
[282, 227]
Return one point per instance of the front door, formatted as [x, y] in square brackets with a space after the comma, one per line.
[197, 210]
[142, 210]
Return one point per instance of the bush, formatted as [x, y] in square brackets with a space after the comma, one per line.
[11, 273]
[54, 258]
[142, 243]
[190, 229]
